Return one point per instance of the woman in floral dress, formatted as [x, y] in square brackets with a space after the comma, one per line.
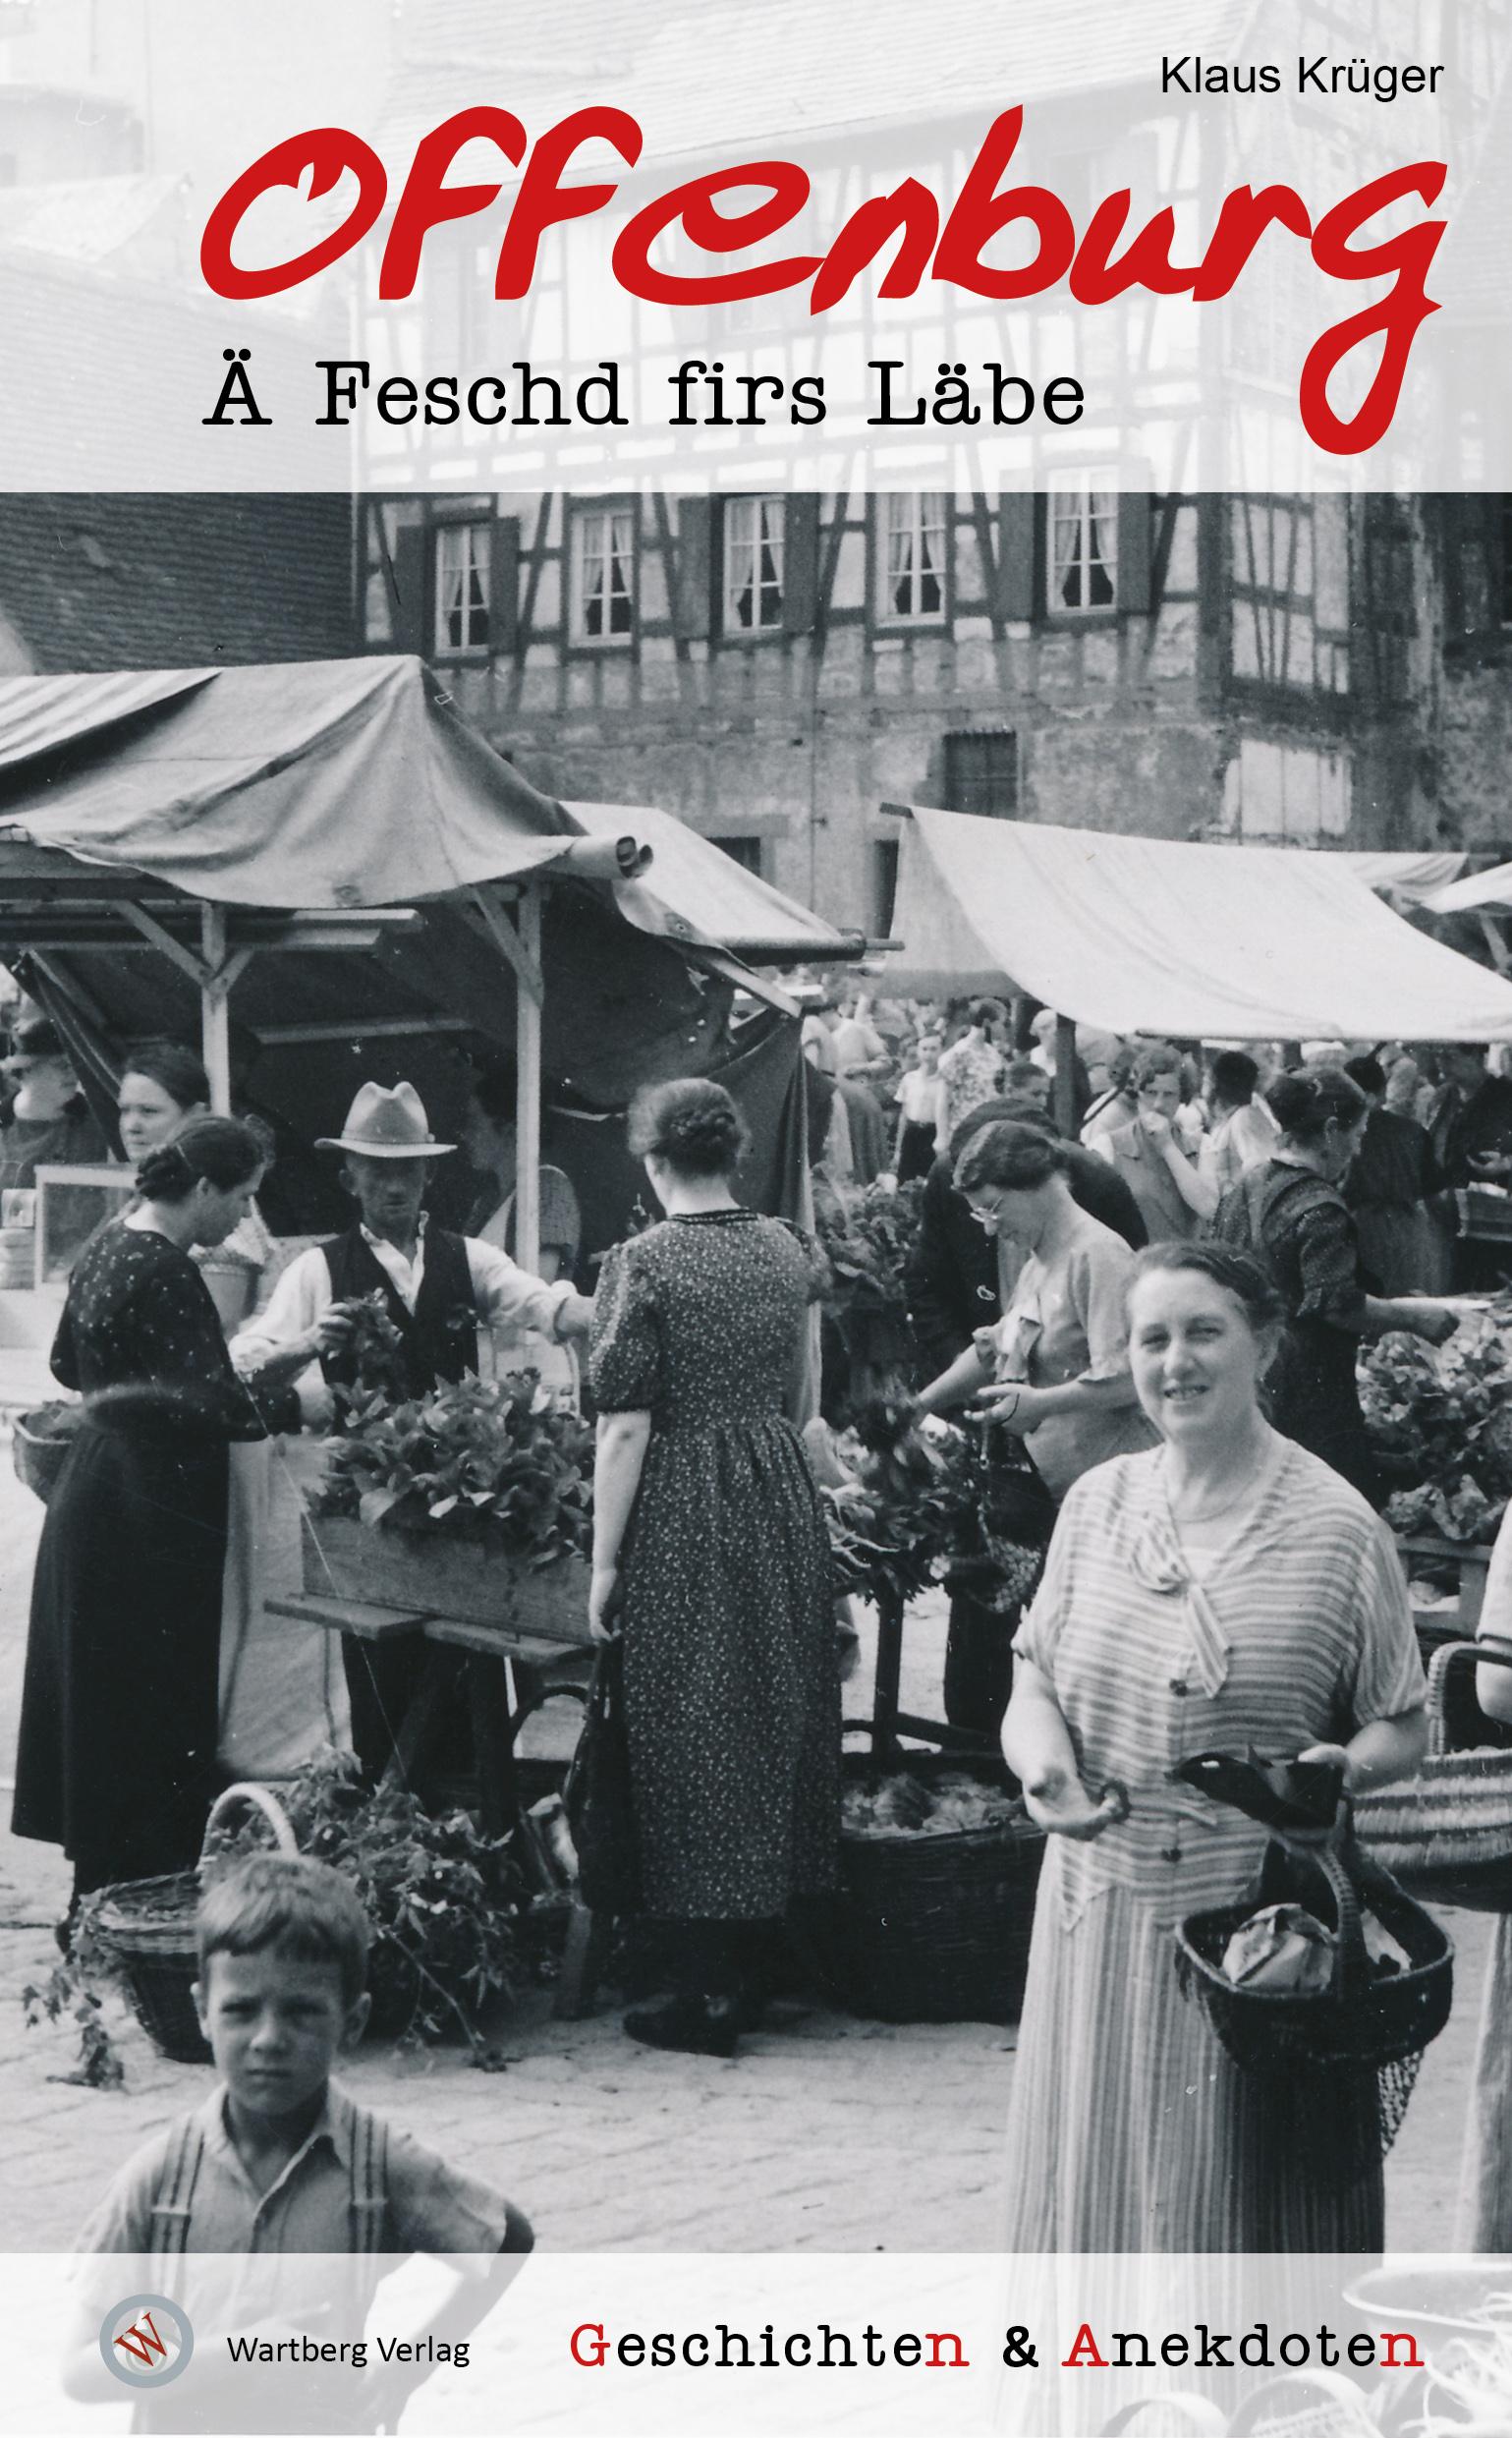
[710, 1554]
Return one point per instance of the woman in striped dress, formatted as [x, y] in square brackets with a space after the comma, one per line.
[1224, 1590]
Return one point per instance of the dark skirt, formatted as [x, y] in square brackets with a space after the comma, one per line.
[116, 1760]
[1315, 1399]
[917, 1156]
[732, 1685]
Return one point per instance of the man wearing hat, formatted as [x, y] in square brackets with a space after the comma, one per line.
[439, 1289]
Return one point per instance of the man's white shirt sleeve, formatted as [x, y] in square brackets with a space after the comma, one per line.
[298, 1298]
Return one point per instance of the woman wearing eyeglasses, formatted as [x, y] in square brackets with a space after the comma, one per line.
[1056, 1369]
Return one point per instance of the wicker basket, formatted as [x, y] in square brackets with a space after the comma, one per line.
[1447, 1832]
[149, 1925]
[1363, 2019]
[1167, 2417]
[37, 1456]
[935, 1929]
[1305, 2404]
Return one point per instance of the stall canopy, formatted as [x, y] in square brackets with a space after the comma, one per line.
[328, 874]
[1491, 890]
[330, 784]
[1206, 943]
[1415, 878]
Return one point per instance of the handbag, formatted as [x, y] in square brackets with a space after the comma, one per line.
[597, 1797]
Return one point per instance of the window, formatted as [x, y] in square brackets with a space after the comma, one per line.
[603, 594]
[1291, 795]
[747, 852]
[981, 772]
[462, 565]
[1082, 532]
[912, 543]
[753, 564]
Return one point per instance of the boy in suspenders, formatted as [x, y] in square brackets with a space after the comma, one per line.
[280, 2160]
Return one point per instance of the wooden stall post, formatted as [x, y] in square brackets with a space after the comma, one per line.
[527, 1105]
[215, 1007]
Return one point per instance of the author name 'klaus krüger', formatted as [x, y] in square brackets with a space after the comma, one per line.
[1319, 78]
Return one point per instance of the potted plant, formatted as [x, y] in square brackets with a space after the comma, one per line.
[474, 1501]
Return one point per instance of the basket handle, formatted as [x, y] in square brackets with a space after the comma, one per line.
[1302, 2388]
[1198, 2413]
[1350, 1964]
[1491, 1653]
[244, 1796]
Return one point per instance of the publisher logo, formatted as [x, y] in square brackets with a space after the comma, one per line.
[145, 2341]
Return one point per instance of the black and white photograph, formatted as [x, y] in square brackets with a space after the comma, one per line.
[755, 1230]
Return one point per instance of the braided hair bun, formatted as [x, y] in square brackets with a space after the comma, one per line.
[692, 1124]
[221, 1149]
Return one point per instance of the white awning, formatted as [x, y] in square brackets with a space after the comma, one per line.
[1207, 942]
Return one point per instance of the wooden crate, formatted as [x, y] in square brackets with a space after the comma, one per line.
[1469, 1561]
[432, 1576]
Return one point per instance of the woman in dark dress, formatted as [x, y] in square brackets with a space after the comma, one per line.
[1290, 1212]
[710, 1554]
[1387, 1188]
[116, 1761]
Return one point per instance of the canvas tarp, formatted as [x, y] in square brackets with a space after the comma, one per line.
[1203, 943]
[328, 784]
[1414, 879]
[1492, 890]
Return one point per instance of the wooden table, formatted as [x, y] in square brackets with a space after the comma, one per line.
[505, 1678]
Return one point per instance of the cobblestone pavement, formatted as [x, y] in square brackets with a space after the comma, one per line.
[826, 2134]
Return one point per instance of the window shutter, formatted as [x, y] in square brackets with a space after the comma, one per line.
[1135, 593]
[693, 570]
[504, 585]
[413, 578]
[1020, 587]
[800, 563]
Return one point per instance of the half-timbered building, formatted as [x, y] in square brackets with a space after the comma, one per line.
[780, 666]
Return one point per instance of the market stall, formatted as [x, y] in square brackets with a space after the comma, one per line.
[1140, 935]
[1194, 942]
[322, 870]
[322, 862]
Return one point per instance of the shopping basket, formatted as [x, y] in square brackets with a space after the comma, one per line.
[147, 1925]
[1326, 2046]
[1447, 1831]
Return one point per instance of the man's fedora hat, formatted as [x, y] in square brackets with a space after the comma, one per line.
[387, 1125]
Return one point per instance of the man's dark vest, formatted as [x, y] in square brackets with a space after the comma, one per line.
[440, 1336]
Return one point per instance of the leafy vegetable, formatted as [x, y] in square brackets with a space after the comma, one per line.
[902, 1805]
[922, 1505]
[495, 1460]
[869, 1238]
[443, 1902]
[1442, 1423]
